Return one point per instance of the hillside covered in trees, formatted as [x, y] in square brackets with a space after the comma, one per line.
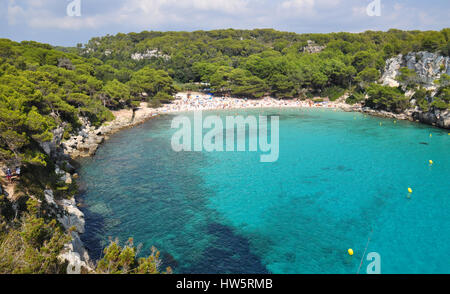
[253, 63]
[44, 88]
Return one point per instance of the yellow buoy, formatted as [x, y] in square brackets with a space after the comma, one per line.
[431, 161]
[410, 190]
[395, 121]
[350, 252]
[431, 135]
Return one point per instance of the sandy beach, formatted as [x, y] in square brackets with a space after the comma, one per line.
[199, 101]
[195, 101]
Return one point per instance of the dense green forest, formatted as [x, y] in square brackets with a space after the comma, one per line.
[44, 87]
[253, 63]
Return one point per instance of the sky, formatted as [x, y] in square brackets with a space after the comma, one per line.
[49, 21]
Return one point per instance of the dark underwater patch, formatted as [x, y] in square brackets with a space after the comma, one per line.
[229, 253]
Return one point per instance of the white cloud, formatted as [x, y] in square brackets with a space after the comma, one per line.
[147, 6]
[42, 14]
[36, 3]
[296, 8]
[298, 4]
[227, 6]
[14, 12]
[307, 8]
[67, 23]
[359, 11]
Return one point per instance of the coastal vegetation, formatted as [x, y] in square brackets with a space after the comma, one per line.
[261, 62]
[44, 89]
[32, 243]
[41, 90]
[123, 260]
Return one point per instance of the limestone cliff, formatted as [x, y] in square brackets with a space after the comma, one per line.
[429, 67]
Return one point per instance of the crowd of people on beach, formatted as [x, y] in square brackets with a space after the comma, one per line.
[200, 101]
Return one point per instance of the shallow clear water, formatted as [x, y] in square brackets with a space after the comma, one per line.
[341, 179]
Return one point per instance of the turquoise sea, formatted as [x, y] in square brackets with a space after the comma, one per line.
[341, 179]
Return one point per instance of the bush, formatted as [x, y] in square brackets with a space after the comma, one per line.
[163, 97]
[6, 209]
[123, 260]
[439, 104]
[333, 93]
[424, 105]
[407, 77]
[32, 248]
[421, 97]
[356, 97]
[386, 98]
[65, 63]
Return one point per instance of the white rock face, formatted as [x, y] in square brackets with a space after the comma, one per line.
[76, 256]
[63, 176]
[49, 197]
[74, 252]
[74, 262]
[59, 171]
[312, 47]
[391, 71]
[73, 217]
[428, 67]
[84, 143]
[149, 54]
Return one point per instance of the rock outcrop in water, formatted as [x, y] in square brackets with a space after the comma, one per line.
[440, 118]
[89, 138]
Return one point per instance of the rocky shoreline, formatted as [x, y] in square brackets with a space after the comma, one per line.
[89, 138]
[440, 119]
[84, 144]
